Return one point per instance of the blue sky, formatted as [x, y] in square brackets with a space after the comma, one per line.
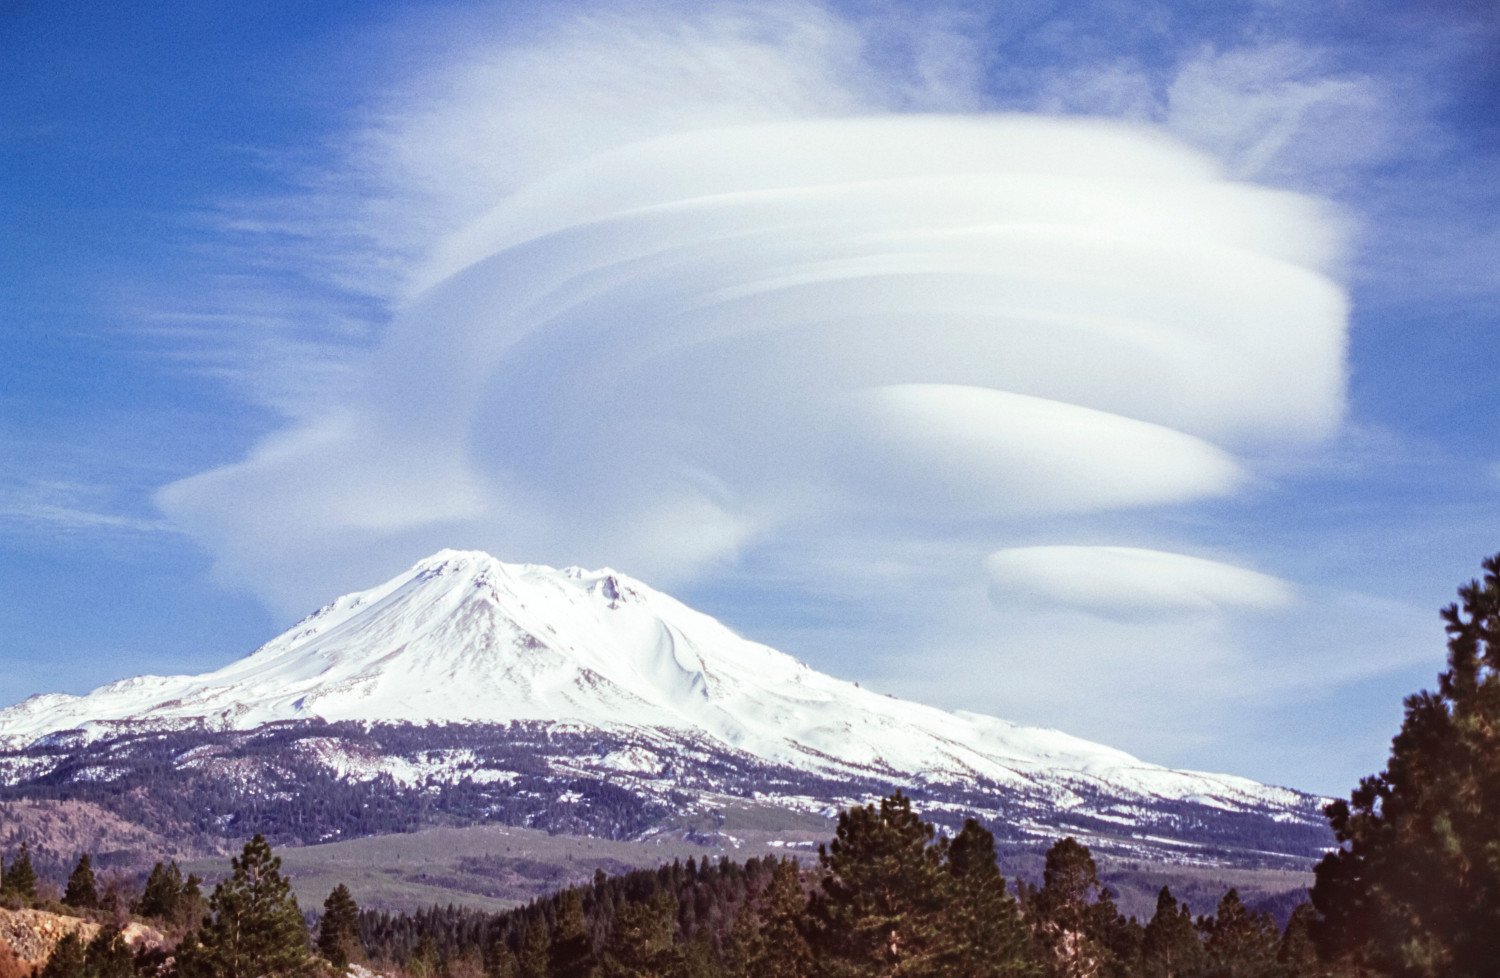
[1116, 367]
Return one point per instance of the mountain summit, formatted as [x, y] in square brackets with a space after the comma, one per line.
[463, 639]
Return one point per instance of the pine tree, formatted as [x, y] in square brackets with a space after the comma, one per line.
[696, 959]
[1414, 889]
[500, 960]
[1240, 943]
[20, 877]
[641, 945]
[1064, 918]
[82, 892]
[338, 931]
[532, 961]
[745, 948]
[984, 935]
[1171, 947]
[1297, 954]
[67, 959]
[154, 902]
[1121, 937]
[254, 928]
[109, 956]
[879, 907]
[425, 962]
[783, 950]
[571, 951]
[167, 896]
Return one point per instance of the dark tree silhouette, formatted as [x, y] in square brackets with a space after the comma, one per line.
[1241, 943]
[19, 878]
[1414, 889]
[83, 891]
[66, 960]
[878, 909]
[1064, 915]
[983, 934]
[338, 931]
[254, 928]
[1171, 947]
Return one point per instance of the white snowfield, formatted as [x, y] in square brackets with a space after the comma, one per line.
[465, 638]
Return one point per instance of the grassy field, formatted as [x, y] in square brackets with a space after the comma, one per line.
[493, 867]
[1201, 886]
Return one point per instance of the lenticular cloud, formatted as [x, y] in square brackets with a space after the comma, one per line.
[1128, 582]
[688, 343]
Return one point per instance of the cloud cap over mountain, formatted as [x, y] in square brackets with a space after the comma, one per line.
[695, 342]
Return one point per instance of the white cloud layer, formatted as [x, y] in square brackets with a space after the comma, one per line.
[664, 351]
[1128, 582]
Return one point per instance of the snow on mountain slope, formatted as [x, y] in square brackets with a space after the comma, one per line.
[463, 637]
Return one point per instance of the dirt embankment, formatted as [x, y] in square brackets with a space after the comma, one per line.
[32, 934]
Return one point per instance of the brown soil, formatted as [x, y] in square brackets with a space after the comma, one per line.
[32, 934]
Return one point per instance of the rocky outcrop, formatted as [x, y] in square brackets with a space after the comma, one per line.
[32, 934]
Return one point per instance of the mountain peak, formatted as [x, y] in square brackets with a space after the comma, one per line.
[446, 563]
[607, 581]
[465, 638]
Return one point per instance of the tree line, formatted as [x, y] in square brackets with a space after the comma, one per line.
[888, 897]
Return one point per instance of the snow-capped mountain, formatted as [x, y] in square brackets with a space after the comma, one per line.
[465, 639]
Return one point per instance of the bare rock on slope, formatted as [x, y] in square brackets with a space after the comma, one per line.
[32, 934]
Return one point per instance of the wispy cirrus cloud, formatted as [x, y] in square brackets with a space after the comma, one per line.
[55, 506]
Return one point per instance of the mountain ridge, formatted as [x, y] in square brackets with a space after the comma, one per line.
[456, 609]
[649, 693]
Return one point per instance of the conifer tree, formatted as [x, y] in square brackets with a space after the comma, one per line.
[169, 898]
[338, 931]
[1414, 889]
[571, 951]
[1063, 913]
[984, 935]
[1120, 936]
[425, 962]
[878, 910]
[641, 944]
[784, 951]
[1297, 954]
[82, 892]
[1171, 947]
[500, 960]
[532, 961]
[109, 956]
[20, 878]
[745, 948]
[67, 959]
[254, 928]
[696, 959]
[1240, 943]
[157, 897]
